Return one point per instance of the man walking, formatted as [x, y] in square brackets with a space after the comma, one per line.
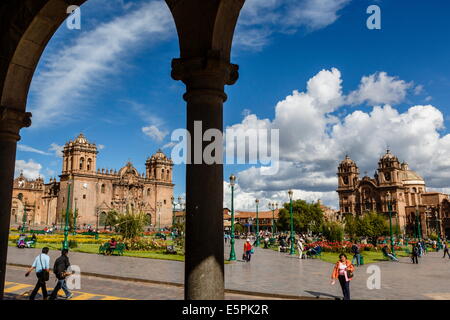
[42, 266]
[446, 250]
[60, 271]
[415, 253]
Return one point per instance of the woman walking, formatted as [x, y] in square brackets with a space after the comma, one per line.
[343, 271]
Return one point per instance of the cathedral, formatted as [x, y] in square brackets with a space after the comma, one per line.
[412, 207]
[93, 192]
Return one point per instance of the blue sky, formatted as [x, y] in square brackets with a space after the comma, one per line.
[357, 90]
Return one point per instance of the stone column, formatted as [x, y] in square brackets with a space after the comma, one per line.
[11, 121]
[205, 79]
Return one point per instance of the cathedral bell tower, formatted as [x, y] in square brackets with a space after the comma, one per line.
[388, 170]
[79, 156]
[159, 167]
[348, 175]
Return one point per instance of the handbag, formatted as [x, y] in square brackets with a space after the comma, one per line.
[44, 273]
[349, 274]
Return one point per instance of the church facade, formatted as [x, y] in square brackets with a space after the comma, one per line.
[413, 208]
[93, 192]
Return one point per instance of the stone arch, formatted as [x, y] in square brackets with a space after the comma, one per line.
[205, 32]
[35, 23]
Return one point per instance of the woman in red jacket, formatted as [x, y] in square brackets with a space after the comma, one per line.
[343, 270]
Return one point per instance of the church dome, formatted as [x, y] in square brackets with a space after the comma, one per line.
[389, 156]
[159, 157]
[411, 177]
[81, 139]
[348, 162]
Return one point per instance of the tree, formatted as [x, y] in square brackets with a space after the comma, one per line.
[306, 216]
[333, 231]
[238, 228]
[351, 226]
[130, 225]
[373, 225]
[111, 218]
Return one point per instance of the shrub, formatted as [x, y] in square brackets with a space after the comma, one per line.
[333, 231]
[73, 244]
[144, 244]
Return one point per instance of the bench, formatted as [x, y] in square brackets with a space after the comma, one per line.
[104, 249]
[161, 236]
[38, 231]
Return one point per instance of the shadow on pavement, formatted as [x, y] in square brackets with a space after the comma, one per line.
[319, 294]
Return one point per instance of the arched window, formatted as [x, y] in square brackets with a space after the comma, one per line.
[148, 219]
[81, 163]
[102, 220]
[414, 190]
[103, 188]
[148, 191]
[89, 164]
[168, 175]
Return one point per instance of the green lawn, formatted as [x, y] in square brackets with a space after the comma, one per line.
[93, 248]
[368, 256]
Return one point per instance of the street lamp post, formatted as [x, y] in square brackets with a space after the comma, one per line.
[257, 223]
[419, 233]
[232, 252]
[75, 213]
[292, 252]
[173, 211]
[388, 196]
[273, 206]
[159, 205]
[66, 227]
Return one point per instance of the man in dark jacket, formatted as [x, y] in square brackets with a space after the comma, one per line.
[60, 271]
[356, 254]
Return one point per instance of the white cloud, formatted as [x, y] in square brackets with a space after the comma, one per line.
[418, 90]
[379, 88]
[313, 140]
[154, 133]
[57, 149]
[260, 19]
[22, 147]
[31, 169]
[76, 69]
[101, 147]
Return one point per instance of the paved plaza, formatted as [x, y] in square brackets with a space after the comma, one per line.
[269, 273]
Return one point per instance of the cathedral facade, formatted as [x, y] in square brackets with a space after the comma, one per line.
[93, 192]
[413, 208]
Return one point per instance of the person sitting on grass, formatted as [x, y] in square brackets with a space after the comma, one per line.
[388, 254]
[112, 245]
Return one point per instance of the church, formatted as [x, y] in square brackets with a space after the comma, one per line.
[93, 192]
[413, 207]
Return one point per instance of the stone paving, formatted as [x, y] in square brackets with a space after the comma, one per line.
[271, 272]
[94, 288]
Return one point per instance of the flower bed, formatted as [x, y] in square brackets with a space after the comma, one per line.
[346, 246]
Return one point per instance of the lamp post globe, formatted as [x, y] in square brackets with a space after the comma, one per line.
[173, 211]
[292, 251]
[232, 241]
[257, 223]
